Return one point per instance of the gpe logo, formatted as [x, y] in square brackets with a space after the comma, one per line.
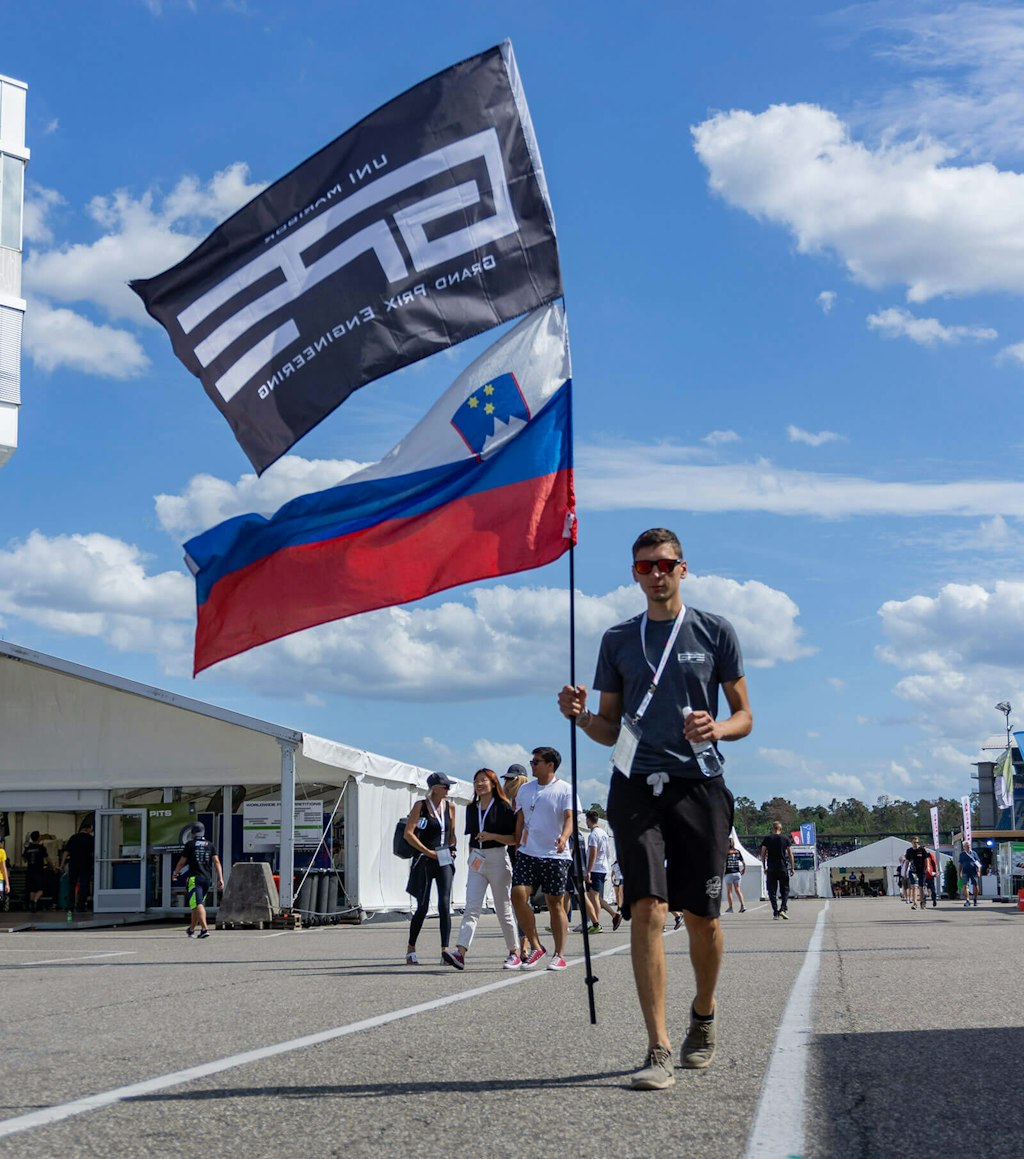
[287, 258]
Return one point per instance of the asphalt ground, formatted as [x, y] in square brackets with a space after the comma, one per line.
[914, 1041]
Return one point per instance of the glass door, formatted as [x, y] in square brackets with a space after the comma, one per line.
[120, 879]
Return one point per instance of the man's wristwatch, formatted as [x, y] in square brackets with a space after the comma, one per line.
[584, 719]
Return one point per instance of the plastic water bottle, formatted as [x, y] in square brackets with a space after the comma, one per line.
[69, 917]
[708, 760]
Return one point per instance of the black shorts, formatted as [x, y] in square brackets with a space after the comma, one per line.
[550, 873]
[672, 847]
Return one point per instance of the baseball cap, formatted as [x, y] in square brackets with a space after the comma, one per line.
[514, 771]
[439, 779]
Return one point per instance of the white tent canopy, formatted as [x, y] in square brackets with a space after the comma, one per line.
[752, 882]
[71, 736]
[885, 854]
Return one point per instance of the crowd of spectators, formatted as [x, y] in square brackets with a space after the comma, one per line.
[829, 849]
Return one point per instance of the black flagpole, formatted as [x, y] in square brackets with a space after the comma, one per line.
[581, 884]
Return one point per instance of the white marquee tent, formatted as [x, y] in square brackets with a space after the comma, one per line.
[73, 738]
[885, 854]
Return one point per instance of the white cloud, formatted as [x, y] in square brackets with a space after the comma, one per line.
[972, 55]
[1014, 353]
[837, 683]
[961, 651]
[717, 438]
[812, 439]
[826, 300]
[900, 213]
[40, 204]
[208, 500]
[143, 236]
[898, 323]
[607, 480]
[94, 585]
[58, 337]
[500, 642]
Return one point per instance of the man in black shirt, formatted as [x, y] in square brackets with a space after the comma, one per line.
[777, 859]
[37, 861]
[917, 863]
[198, 854]
[78, 858]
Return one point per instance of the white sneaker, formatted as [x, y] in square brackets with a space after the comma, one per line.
[512, 962]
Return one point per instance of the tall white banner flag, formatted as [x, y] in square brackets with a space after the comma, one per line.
[935, 825]
[965, 803]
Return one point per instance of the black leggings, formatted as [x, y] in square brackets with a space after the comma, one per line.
[443, 875]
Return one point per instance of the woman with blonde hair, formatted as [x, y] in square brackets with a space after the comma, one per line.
[491, 825]
[430, 830]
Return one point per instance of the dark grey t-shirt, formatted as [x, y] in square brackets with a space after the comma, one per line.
[706, 654]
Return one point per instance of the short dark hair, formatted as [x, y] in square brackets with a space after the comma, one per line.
[655, 537]
[593, 815]
[34, 835]
[546, 753]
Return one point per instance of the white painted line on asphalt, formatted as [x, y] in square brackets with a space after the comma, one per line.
[95, 1102]
[778, 1130]
[84, 958]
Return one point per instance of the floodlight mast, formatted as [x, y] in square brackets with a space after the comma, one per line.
[1005, 708]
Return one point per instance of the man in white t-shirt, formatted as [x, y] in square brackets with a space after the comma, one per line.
[597, 874]
[544, 808]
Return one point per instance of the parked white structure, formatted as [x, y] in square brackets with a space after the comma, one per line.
[13, 159]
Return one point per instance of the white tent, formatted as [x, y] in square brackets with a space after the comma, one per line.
[884, 855]
[752, 883]
[74, 738]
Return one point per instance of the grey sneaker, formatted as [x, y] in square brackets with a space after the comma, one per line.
[699, 1043]
[657, 1072]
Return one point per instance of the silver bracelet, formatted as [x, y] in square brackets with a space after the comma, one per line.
[584, 719]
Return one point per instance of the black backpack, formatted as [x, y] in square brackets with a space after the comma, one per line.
[399, 846]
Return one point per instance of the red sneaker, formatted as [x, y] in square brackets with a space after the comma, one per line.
[558, 963]
[533, 958]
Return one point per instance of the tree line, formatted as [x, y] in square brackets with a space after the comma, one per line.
[851, 818]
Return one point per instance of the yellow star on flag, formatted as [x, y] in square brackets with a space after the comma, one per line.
[488, 389]
[474, 401]
[489, 408]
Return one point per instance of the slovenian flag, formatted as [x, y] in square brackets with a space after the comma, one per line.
[481, 487]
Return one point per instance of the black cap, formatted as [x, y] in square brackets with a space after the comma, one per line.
[439, 779]
[514, 771]
[199, 829]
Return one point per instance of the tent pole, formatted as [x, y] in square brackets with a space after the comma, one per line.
[286, 864]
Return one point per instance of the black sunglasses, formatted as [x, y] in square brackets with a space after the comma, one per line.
[665, 566]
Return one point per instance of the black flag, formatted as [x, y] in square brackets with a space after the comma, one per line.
[425, 224]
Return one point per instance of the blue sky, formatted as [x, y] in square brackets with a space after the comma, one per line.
[792, 241]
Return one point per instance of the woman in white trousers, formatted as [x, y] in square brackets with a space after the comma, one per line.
[491, 825]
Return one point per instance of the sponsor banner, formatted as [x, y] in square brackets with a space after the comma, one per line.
[168, 826]
[261, 825]
[965, 805]
[807, 833]
[427, 223]
[934, 813]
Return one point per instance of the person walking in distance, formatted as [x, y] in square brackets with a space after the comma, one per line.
[202, 864]
[596, 873]
[917, 862]
[970, 873]
[659, 675]
[735, 868]
[544, 810]
[779, 867]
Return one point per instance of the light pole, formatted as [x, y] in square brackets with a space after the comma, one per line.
[1004, 707]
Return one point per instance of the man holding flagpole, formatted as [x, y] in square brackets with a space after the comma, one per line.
[659, 675]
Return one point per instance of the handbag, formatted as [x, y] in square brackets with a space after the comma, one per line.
[400, 847]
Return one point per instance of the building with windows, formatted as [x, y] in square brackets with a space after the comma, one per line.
[13, 159]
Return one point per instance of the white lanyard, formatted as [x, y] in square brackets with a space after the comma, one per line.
[439, 817]
[482, 817]
[666, 653]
